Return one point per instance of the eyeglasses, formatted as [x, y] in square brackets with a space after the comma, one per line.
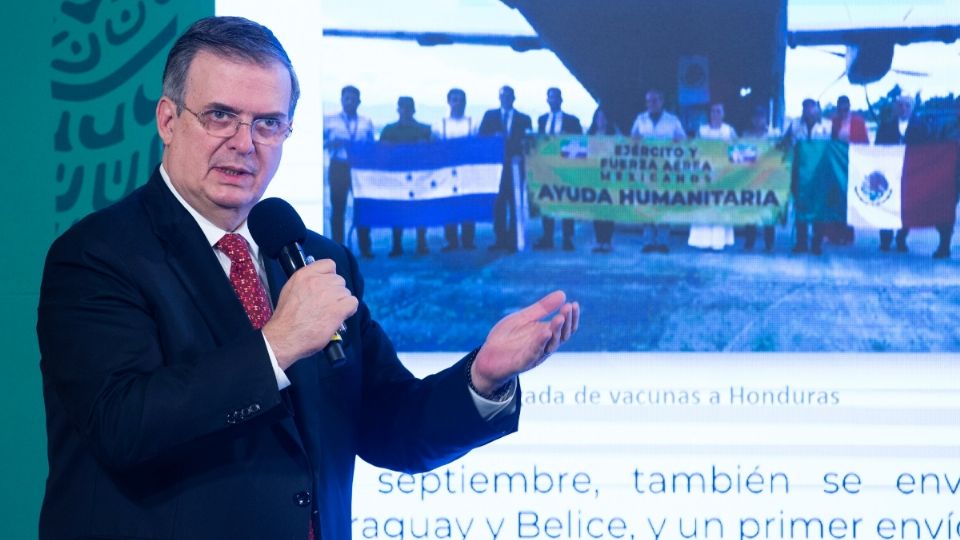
[268, 131]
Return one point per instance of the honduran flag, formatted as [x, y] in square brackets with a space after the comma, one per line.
[423, 184]
[880, 187]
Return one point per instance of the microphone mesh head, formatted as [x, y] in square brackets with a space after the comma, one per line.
[274, 224]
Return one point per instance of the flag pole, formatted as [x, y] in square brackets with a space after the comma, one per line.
[519, 200]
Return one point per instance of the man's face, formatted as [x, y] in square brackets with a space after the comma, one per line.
[554, 100]
[458, 104]
[654, 103]
[222, 178]
[506, 98]
[716, 114]
[843, 107]
[406, 110]
[350, 101]
[810, 111]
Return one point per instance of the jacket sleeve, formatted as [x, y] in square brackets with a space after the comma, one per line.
[412, 424]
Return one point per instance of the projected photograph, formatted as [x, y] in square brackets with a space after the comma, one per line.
[763, 176]
[753, 201]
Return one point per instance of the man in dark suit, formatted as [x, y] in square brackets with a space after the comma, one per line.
[900, 125]
[186, 401]
[406, 130]
[512, 125]
[557, 122]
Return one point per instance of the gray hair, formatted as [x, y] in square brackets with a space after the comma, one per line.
[235, 38]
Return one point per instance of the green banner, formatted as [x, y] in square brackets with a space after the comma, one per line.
[627, 180]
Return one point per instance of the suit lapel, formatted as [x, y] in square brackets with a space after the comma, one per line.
[196, 266]
[193, 262]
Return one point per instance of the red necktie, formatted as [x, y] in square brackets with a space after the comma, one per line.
[245, 279]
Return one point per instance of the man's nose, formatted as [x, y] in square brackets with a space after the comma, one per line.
[242, 140]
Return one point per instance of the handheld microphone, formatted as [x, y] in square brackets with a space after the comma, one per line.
[278, 230]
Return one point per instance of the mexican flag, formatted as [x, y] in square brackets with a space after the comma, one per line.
[879, 187]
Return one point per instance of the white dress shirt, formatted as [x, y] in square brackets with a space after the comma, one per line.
[340, 130]
[506, 116]
[554, 124]
[667, 126]
[453, 128]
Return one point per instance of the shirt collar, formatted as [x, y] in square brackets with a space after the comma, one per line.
[212, 233]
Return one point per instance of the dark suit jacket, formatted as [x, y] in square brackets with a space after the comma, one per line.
[492, 124]
[569, 124]
[888, 132]
[163, 416]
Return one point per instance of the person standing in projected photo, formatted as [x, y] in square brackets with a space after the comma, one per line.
[949, 132]
[557, 122]
[706, 236]
[455, 125]
[602, 228]
[900, 124]
[809, 127]
[656, 123]
[406, 130]
[760, 128]
[339, 130]
[512, 125]
[850, 127]
[185, 388]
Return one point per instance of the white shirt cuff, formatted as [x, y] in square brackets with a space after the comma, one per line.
[282, 380]
[490, 409]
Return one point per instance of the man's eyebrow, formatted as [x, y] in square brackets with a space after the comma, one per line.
[222, 107]
[227, 108]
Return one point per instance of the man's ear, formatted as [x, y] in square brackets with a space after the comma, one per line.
[166, 117]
